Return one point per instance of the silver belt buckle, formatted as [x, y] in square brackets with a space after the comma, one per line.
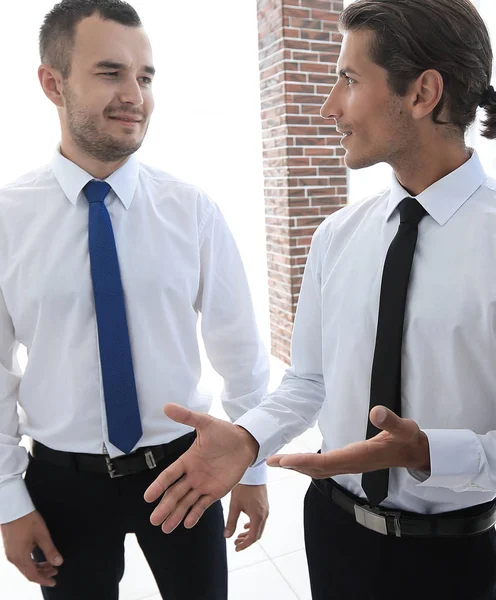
[370, 519]
[111, 469]
[150, 460]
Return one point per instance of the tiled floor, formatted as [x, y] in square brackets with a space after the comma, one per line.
[274, 568]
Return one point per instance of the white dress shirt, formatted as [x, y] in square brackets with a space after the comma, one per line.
[177, 259]
[449, 342]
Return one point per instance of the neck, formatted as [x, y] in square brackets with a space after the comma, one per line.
[430, 163]
[96, 168]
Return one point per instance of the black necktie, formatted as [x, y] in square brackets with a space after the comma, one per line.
[385, 385]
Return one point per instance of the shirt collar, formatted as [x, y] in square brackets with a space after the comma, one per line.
[72, 178]
[444, 197]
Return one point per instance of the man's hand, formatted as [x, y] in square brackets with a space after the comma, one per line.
[253, 501]
[206, 472]
[20, 538]
[400, 444]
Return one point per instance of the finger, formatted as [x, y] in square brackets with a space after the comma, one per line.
[232, 520]
[387, 420]
[276, 461]
[172, 497]
[302, 462]
[244, 543]
[197, 511]
[252, 535]
[183, 415]
[44, 565]
[46, 545]
[175, 518]
[168, 476]
[28, 568]
[273, 461]
[47, 571]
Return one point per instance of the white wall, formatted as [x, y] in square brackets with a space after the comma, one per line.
[206, 128]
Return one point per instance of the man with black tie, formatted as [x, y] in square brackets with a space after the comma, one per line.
[105, 266]
[394, 343]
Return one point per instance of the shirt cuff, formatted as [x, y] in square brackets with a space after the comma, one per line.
[265, 429]
[15, 501]
[455, 459]
[255, 475]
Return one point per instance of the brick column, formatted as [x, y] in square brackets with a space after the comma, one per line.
[304, 171]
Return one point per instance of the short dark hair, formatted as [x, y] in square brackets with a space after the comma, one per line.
[57, 33]
[413, 36]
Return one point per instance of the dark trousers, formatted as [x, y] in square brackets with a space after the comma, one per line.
[88, 516]
[346, 561]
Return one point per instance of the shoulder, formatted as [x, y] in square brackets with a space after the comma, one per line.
[168, 182]
[169, 188]
[23, 193]
[490, 185]
[27, 182]
[347, 219]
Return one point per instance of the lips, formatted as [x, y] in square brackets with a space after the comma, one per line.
[125, 119]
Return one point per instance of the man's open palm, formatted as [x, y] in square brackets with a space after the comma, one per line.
[206, 472]
[400, 444]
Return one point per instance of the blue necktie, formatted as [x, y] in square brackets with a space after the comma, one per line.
[119, 387]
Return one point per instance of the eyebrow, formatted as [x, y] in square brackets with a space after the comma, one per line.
[109, 64]
[344, 72]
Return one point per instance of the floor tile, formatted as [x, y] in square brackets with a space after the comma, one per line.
[262, 581]
[246, 558]
[293, 567]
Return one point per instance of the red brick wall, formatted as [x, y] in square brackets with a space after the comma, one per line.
[305, 176]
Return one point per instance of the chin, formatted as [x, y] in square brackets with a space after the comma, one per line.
[360, 162]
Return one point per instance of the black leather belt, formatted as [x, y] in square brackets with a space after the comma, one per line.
[468, 521]
[128, 464]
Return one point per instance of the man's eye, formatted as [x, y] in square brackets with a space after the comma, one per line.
[349, 80]
[146, 80]
[111, 74]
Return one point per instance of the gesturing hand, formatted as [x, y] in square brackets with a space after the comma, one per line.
[400, 444]
[206, 472]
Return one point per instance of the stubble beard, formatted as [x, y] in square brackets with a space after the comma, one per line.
[93, 142]
[396, 147]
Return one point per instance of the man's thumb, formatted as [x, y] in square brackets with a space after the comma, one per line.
[48, 548]
[378, 416]
[232, 521]
[183, 415]
[387, 420]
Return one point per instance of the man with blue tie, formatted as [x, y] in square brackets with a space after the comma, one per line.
[105, 265]
[394, 342]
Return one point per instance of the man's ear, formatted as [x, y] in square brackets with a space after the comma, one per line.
[426, 93]
[51, 82]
